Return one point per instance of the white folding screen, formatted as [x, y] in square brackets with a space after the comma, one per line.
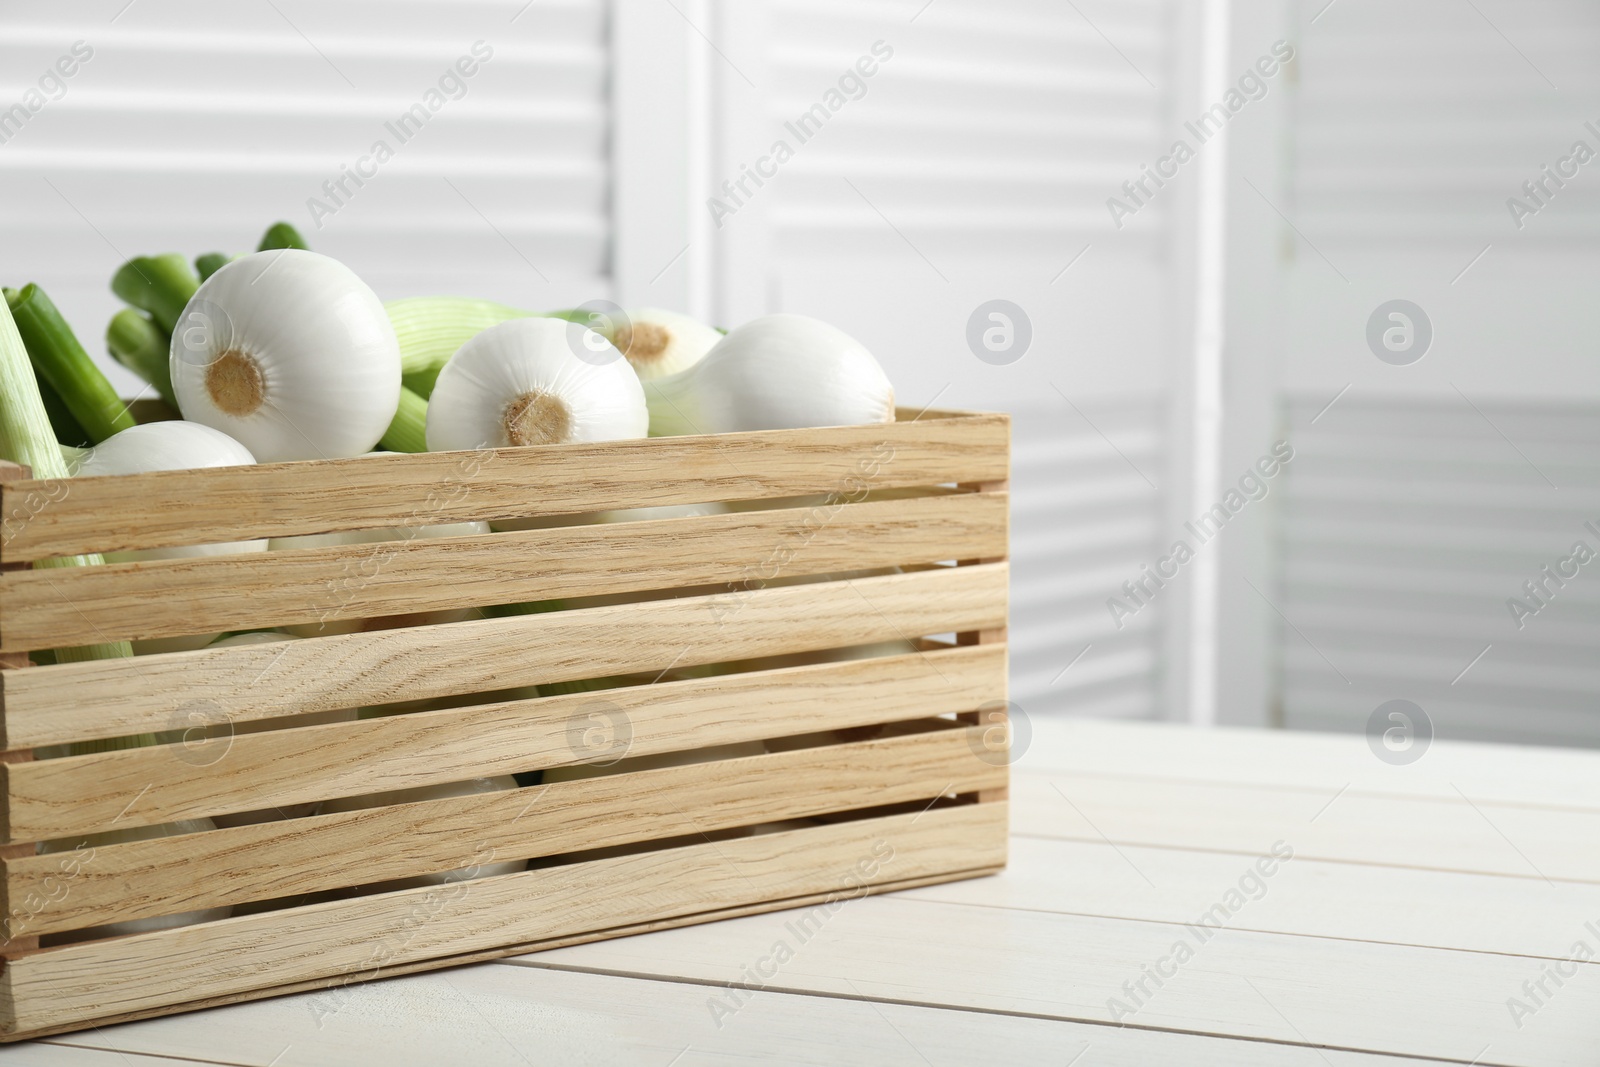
[913, 162]
[192, 126]
[1426, 495]
[938, 157]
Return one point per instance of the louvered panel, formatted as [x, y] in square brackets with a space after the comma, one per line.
[183, 99]
[1407, 526]
[996, 128]
[1418, 120]
[977, 166]
[1083, 521]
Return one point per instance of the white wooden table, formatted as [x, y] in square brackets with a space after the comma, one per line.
[1421, 911]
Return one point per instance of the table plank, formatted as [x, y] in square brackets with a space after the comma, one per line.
[1317, 762]
[1402, 906]
[39, 1054]
[1440, 833]
[494, 1016]
[1342, 994]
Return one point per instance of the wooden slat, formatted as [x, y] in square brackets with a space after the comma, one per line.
[14, 936]
[268, 861]
[339, 939]
[198, 507]
[111, 698]
[991, 717]
[167, 598]
[342, 986]
[136, 787]
[9, 525]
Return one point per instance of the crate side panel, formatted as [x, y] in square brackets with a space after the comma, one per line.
[165, 508]
[358, 938]
[111, 698]
[170, 598]
[255, 771]
[269, 861]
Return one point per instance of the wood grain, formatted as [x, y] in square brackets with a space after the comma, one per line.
[358, 939]
[165, 508]
[247, 772]
[9, 525]
[14, 936]
[169, 598]
[269, 861]
[111, 698]
[343, 985]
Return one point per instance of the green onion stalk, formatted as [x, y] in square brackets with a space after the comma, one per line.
[26, 438]
[409, 430]
[67, 428]
[431, 328]
[160, 285]
[207, 265]
[136, 342]
[281, 235]
[60, 361]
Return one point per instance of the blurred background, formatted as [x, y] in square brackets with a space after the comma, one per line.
[1170, 315]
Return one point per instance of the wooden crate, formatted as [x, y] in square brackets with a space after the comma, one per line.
[859, 535]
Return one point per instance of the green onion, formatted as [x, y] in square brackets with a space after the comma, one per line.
[209, 264]
[68, 430]
[140, 345]
[408, 431]
[281, 235]
[161, 285]
[431, 328]
[25, 434]
[61, 361]
[422, 382]
[26, 438]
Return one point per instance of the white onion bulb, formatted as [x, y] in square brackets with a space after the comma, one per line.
[290, 353]
[523, 383]
[778, 372]
[658, 343]
[168, 446]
